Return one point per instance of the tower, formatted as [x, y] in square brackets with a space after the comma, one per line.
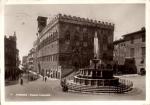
[42, 22]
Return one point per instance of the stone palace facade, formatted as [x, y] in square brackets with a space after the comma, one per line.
[66, 43]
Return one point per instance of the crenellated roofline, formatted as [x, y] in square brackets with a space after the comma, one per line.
[77, 20]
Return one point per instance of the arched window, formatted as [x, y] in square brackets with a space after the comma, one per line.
[67, 35]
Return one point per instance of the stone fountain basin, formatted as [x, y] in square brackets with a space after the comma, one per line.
[98, 82]
[96, 73]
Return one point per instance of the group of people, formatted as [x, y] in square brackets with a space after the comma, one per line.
[21, 80]
[64, 85]
[45, 78]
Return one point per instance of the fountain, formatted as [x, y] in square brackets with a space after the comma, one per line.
[98, 77]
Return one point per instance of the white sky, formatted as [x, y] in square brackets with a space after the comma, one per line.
[23, 19]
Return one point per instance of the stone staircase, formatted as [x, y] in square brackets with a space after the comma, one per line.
[70, 75]
[121, 88]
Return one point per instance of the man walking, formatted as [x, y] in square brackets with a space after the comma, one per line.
[21, 81]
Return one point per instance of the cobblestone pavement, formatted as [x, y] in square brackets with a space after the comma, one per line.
[51, 91]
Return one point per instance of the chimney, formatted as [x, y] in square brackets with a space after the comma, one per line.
[42, 22]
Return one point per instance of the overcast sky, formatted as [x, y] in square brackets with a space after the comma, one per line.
[23, 19]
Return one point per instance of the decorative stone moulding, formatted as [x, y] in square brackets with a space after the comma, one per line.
[59, 15]
[69, 16]
[110, 24]
[86, 21]
[91, 20]
[83, 19]
[99, 21]
[74, 18]
[103, 23]
[65, 16]
[95, 21]
[106, 23]
[79, 19]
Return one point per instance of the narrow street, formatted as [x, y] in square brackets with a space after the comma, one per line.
[50, 90]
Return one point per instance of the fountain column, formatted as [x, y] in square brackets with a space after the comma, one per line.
[96, 55]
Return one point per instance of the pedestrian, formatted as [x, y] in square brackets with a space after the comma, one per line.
[21, 81]
[45, 78]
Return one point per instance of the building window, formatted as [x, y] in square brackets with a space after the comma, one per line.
[84, 29]
[132, 52]
[143, 38]
[104, 47]
[52, 58]
[85, 44]
[56, 33]
[67, 36]
[105, 39]
[85, 36]
[55, 57]
[102, 32]
[61, 58]
[110, 39]
[104, 56]
[142, 61]
[105, 42]
[143, 51]
[52, 45]
[46, 58]
[76, 38]
[77, 43]
[132, 40]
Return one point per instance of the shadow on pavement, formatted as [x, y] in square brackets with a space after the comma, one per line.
[7, 83]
